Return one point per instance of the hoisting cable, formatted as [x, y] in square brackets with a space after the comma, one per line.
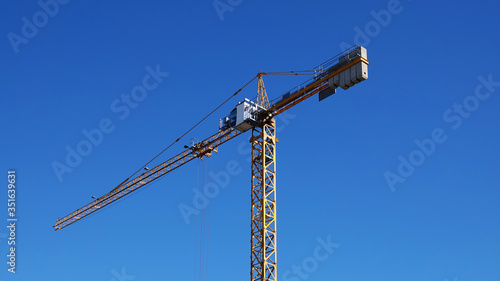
[196, 224]
[192, 128]
[201, 230]
[202, 219]
[208, 226]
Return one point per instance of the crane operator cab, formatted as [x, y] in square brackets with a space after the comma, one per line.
[243, 117]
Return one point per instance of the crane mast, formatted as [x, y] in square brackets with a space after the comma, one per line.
[263, 257]
[344, 70]
[264, 260]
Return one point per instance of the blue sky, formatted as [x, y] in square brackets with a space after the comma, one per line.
[396, 175]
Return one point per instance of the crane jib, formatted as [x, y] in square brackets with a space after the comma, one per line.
[200, 150]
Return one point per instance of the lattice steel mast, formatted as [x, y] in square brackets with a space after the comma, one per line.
[264, 260]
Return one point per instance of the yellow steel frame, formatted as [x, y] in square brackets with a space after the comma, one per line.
[264, 262]
[263, 224]
[263, 227]
[262, 99]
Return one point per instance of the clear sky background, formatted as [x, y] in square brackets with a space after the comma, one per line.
[436, 221]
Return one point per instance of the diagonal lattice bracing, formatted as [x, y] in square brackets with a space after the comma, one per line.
[263, 226]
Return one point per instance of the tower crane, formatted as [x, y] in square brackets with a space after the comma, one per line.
[344, 70]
